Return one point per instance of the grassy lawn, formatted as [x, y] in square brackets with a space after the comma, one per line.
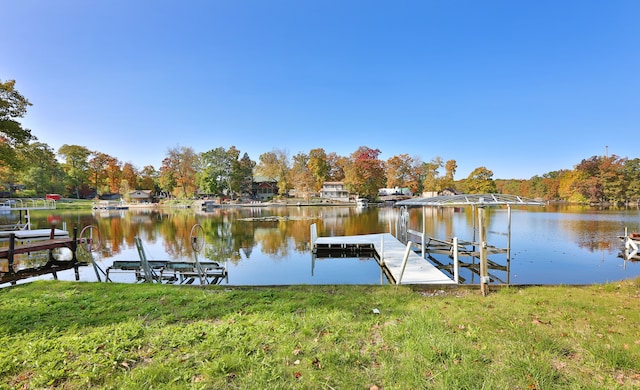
[74, 204]
[97, 335]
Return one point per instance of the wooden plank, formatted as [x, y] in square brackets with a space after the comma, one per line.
[417, 271]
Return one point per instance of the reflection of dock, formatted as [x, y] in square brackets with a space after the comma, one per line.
[631, 244]
[400, 263]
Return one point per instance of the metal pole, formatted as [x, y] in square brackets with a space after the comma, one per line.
[482, 233]
[404, 261]
[456, 261]
[509, 244]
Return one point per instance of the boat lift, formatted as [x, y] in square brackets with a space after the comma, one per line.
[479, 202]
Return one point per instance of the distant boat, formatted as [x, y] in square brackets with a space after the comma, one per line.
[362, 203]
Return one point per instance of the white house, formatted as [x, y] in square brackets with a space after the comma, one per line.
[334, 190]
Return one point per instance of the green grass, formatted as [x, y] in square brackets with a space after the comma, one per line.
[74, 204]
[112, 336]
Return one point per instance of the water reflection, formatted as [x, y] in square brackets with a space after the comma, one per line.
[271, 245]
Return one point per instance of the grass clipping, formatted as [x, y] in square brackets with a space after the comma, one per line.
[98, 335]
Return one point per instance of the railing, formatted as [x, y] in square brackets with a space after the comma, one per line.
[27, 204]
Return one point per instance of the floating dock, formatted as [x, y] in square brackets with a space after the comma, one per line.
[389, 252]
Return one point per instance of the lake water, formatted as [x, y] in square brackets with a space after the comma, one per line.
[271, 245]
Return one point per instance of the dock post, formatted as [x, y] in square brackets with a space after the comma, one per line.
[382, 250]
[74, 244]
[12, 246]
[52, 235]
[456, 261]
[314, 234]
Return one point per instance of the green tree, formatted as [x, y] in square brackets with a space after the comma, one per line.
[149, 179]
[41, 170]
[214, 176]
[242, 175]
[613, 179]
[12, 106]
[76, 166]
[631, 171]
[480, 181]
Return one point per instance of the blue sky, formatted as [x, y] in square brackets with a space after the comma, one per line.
[520, 87]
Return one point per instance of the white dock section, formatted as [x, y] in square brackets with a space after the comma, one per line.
[391, 253]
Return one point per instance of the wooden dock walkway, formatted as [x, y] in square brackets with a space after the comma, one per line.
[391, 253]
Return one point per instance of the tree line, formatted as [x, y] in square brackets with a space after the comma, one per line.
[31, 168]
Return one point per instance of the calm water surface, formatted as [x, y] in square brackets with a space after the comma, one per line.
[270, 246]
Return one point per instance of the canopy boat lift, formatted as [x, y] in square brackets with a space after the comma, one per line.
[479, 203]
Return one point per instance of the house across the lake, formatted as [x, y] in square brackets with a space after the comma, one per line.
[264, 188]
[141, 196]
[334, 190]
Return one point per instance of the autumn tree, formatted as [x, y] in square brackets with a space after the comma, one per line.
[319, 167]
[480, 181]
[178, 172]
[588, 182]
[398, 170]
[301, 176]
[114, 175]
[431, 180]
[365, 174]
[76, 166]
[275, 166]
[98, 170]
[130, 175]
[404, 171]
[337, 166]
[450, 168]
[566, 183]
[12, 106]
